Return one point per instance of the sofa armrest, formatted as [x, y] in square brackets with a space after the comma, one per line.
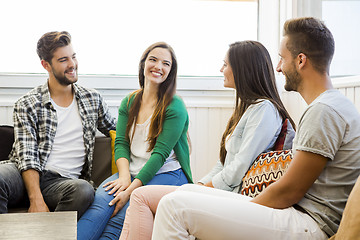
[102, 160]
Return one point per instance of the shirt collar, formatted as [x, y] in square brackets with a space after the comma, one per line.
[45, 93]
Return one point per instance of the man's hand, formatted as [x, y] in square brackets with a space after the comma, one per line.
[38, 206]
[209, 184]
[32, 183]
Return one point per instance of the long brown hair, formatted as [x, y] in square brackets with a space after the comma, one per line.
[166, 93]
[254, 79]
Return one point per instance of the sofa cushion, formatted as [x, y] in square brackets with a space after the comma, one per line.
[101, 169]
[6, 141]
[266, 169]
[113, 165]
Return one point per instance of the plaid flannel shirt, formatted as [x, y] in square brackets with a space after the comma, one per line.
[35, 122]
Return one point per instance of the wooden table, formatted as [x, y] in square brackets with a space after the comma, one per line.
[38, 226]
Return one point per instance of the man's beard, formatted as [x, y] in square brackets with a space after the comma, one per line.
[292, 80]
[63, 80]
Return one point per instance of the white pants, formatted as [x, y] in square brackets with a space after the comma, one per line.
[212, 214]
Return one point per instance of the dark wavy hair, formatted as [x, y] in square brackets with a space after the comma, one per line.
[254, 79]
[51, 41]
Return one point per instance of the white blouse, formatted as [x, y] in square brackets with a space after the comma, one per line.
[139, 154]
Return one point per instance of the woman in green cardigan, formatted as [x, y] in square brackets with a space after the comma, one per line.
[151, 144]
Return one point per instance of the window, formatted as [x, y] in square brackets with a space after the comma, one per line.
[343, 19]
[109, 36]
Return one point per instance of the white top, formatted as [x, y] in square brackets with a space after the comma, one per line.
[67, 156]
[139, 154]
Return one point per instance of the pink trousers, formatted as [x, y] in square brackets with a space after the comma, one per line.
[139, 218]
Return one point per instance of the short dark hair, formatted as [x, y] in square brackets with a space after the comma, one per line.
[49, 42]
[311, 37]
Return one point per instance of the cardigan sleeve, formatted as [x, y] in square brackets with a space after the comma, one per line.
[122, 146]
[173, 128]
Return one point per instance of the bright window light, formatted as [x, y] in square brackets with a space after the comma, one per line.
[109, 36]
[343, 19]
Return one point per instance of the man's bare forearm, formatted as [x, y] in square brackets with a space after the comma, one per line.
[31, 179]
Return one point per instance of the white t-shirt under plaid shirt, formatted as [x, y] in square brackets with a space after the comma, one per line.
[35, 124]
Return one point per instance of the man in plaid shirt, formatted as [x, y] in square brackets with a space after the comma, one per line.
[55, 126]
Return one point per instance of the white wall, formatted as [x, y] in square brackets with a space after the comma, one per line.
[349, 86]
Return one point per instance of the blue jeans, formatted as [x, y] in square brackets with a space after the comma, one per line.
[96, 222]
[60, 193]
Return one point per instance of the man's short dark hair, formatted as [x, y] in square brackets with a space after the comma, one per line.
[311, 37]
[49, 42]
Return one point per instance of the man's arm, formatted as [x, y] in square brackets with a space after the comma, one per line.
[32, 183]
[105, 120]
[303, 170]
[349, 227]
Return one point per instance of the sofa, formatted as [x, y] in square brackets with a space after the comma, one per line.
[101, 163]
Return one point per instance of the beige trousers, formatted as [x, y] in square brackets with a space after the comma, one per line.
[212, 214]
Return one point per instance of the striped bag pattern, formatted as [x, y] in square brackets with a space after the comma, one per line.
[266, 169]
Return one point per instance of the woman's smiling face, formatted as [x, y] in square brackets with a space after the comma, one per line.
[157, 65]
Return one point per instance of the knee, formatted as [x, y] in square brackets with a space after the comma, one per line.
[81, 196]
[138, 195]
[83, 192]
[171, 200]
[2, 182]
[10, 178]
[174, 205]
[3, 186]
[188, 187]
[168, 205]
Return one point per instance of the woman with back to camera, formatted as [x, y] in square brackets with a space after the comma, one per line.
[151, 145]
[252, 129]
